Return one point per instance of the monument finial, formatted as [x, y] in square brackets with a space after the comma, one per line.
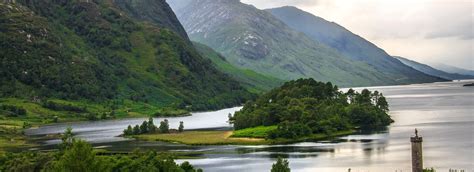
[416, 132]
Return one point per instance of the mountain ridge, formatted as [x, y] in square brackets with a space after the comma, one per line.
[432, 71]
[89, 51]
[344, 41]
[254, 39]
[452, 69]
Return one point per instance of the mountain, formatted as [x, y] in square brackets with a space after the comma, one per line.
[346, 42]
[95, 52]
[254, 39]
[155, 11]
[160, 14]
[253, 81]
[432, 71]
[452, 69]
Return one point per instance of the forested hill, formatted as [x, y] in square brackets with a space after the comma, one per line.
[93, 51]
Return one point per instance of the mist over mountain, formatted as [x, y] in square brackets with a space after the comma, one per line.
[255, 39]
[432, 71]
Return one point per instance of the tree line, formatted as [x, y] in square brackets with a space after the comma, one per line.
[149, 127]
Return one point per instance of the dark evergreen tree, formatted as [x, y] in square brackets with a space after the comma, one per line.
[128, 131]
[144, 127]
[136, 130]
[151, 125]
[282, 165]
[164, 126]
[181, 126]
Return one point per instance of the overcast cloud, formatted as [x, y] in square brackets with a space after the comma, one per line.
[429, 31]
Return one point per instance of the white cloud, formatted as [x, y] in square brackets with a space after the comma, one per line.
[424, 30]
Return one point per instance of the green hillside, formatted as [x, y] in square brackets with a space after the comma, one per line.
[251, 80]
[90, 53]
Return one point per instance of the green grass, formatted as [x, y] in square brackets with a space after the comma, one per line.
[255, 132]
[229, 138]
[11, 136]
[251, 80]
[202, 138]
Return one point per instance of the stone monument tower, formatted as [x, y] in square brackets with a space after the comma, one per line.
[416, 153]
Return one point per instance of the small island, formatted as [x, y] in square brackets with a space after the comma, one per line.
[300, 110]
[469, 85]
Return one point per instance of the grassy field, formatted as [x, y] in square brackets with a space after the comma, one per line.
[256, 132]
[229, 138]
[11, 136]
[203, 138]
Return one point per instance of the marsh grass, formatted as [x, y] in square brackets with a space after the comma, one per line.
[229, 138]
[202, 138]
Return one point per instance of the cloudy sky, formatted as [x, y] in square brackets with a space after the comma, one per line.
[429, 31]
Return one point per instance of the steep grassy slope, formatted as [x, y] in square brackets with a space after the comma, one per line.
[154, 11]
[251, 80]
[90, 51]
[432, 71]
[254, 39]
[349, 44]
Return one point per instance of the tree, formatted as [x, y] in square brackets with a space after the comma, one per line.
[187, 167]
[282, 165]
[67, 138]
[181, 126]
[151, 125]
[164, 126]
[128, 131]
[351, 94]
[79, 157]
[144, 127]
[136, 130]
[382, 103]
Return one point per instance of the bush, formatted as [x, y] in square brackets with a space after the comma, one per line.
[13, 111]
[63, 107]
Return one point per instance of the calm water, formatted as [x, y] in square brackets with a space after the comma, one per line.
[442, 112]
